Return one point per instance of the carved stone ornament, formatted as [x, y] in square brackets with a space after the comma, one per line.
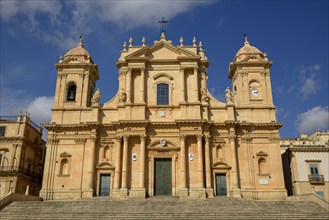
[122, 96]
[228, 95]
[163, 142]
[96, 97]
[204, 96]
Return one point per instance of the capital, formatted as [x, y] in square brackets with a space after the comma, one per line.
[207, 137]
[182, 137]
[199, 137]
[142, 137]
[126, 137]
[93, 138]
[119, 138]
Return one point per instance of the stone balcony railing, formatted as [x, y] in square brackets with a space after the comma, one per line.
[316, 179]
[11, 170]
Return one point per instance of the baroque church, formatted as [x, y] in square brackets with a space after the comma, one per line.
[163, 133]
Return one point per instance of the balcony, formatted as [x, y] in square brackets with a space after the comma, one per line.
[12, 170]
[316, 179]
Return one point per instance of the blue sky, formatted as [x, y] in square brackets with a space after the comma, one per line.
[294, 34]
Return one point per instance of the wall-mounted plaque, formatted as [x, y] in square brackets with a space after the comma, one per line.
[190, 156]
[134, 156]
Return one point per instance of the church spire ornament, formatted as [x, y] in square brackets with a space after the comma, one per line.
[163, 23]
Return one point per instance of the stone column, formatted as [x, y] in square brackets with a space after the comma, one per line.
[207, 162]
[182, 76]
[18, 155]
[142, 163]
[183, 160]
[125, 162]
[93, 140]
[204, 81]
[200, 162]
[183, 192]
[117, 164]
[142, 85]
[196, 88]
[235, 182]
[128, 84]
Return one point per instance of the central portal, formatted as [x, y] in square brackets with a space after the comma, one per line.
[162, 177]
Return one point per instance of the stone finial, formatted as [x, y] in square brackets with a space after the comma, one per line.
[124, 46]
[143, 42]
[61, 59]
[194, 41]
[200, 46]
[163, 36]
[181, 41]
[130, 42]
[245, 39]
[80, 42]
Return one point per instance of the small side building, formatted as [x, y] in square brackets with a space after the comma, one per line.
[22, 153]
[306, 164]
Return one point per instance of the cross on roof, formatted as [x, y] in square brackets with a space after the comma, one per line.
[162, 23]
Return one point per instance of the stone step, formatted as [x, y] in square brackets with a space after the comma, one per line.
[163, 208]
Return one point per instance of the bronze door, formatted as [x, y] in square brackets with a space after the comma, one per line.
[104, 188]
[221, 185]
[162, 177]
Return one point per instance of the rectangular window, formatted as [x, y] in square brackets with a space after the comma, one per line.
[0, 159]
[162, 94]
[314, 169]
[2, 131]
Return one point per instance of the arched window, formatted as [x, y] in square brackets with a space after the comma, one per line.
[162, 94]
[71, 92]
[262, 166]
[64, 168]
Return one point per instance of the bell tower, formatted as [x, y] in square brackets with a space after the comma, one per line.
[251, 85]
[250, 75]
[76, 79]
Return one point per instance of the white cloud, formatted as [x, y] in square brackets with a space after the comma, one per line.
[217, 95]
[30, 9]
[310, 86]
[312, 120]
[14, 101]
[67, 20]
[40, 109]
[310, 83]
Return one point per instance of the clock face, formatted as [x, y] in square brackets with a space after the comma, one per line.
[254, 92]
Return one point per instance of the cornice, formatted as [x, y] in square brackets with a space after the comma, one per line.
[88, 125]
[308, 149]
[268, 124]
[11, 139]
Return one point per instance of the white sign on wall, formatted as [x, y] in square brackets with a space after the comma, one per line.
[263, 181]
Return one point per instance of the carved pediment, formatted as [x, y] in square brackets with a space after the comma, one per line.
[65, 154]
[105, 166]
[162, 50]
[261, 153]
[162, 145]
[221, 165]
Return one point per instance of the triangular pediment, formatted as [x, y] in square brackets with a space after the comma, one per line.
[161, 51]
[105, 166]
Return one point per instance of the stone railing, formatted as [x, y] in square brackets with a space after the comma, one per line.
[311, 197]
[11, 197]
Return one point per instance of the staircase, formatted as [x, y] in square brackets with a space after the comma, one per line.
[163, 208]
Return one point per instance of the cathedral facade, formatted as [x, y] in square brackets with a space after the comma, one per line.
[163, 133]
